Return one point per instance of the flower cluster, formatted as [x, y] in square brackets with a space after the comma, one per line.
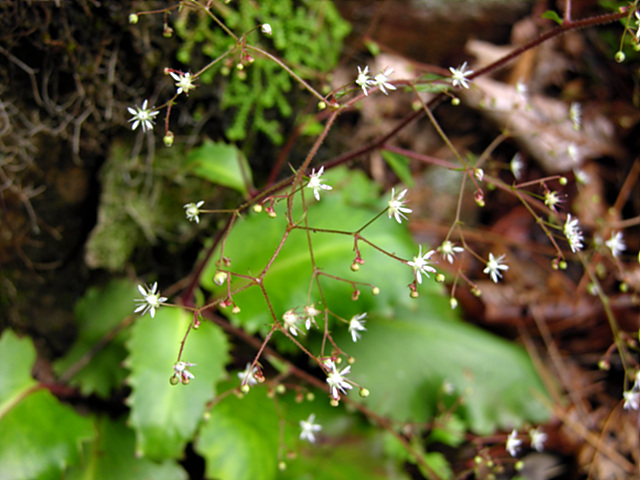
[573, 233]
[150, 301]
[381, 80]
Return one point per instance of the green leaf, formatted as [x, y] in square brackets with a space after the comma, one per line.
[400, 166]
[98, 313]
[39, 436]
[165, 417]
[222, 164]
[495, 379]
[551, 15]
[432, 83]
[240, 439]
[111, 456]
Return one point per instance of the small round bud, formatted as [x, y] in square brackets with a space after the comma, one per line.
[245, 388]
[334, 402]
[168, 139]
[196, 324]
[375, 291]
[272, 213]
[476, 292]
[322, 105]
[257, 208]
[282, 466]
[235, 310]
[620, 57]
[310, 396]
[280, 389]
[206, 416]
[242, 75]
[174, 380]
[455, 101]
[167, 32]
[338, 361]
[519, 465]
[563, 181]
[186, 381]
[220, 277]
[351, 360]
[440, 278]
[355, 295]
[355, 267]
[562, 264]
[133, 19]
[453, 303]
[414, 294]
[477, 460]
[239, 66]
[299, 398]
[604, 365]
[364, 392]
[225, 71]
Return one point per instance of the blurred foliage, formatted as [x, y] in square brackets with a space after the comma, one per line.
[307, 36]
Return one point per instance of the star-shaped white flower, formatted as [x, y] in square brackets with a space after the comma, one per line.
[552, 199]
[337, 382]
[310, 314]
[315, 182]
[290, 320]
[513, 443]
[364, 80]
[382, 80]
[309, 428]
[631, 399]
[420, 264]
[494, 265]
[459, 76]
[150, 300]
[181, 370]
[397, 204]
[356, 325]
[538, 437]
[448, 250]
[184, 82]
[248, 375]
[192, 210]
[573, 233]
[616, 244]
[142, 116]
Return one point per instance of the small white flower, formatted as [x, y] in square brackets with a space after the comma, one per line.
[420, 264]
[631, 400]
[522, 89]
[616, 244]
[459, 76]
[517, 166]
[397, 207]
[309, 428]
[356, 325]
[315, 182]
[184, 82]
[248, 376]
[291, 322]
[382, 80]
[448, 250]
[150, 300]
[192, 211]
[575, 114]
[266, 29]
[142, 116]
[363, 80]
[552, 199]
[572, 151]
[494, 265]
[573, 234]
[478, 173]
[181, 370]
[310, 314]
[513, 443]
[337, 382]
[538, 437]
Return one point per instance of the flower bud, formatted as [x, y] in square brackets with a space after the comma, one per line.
[453, 303]
[280, 389]
[355, 267]
[174, 380]
[563, 181]
[220, 277]
[455, 101]
[235, 310]
[257, 208]
[620, 57]
[322, 105]
[375, 291]
[245, 388]
[133, 19]
[414, 294]
[364, 392]
[167, 32]
[310, 397]
[440, 278]
[334, 402]
[168, 139]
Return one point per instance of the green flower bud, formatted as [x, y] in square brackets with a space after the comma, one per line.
[133, 19]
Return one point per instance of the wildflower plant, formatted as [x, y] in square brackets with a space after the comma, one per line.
[323, 298]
